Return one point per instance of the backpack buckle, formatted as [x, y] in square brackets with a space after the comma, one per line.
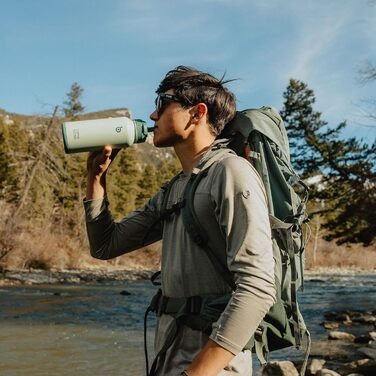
[258, 333]
[162, 304]
[194, 304]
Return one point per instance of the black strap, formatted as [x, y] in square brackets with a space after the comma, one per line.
[167, 344]
[180, 309]
[155, 278]
[152, 307]
[165, 212]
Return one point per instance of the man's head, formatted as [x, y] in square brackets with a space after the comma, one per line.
[191, 87]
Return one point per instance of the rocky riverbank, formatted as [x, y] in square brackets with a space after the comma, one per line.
[36, 276]
[10, 277]
[350, 349]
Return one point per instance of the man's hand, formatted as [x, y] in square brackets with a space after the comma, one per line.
[210, 361]
[97, 165]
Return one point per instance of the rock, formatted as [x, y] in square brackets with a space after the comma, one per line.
[365, 367]
[372, 335]
[339, 317]
[364, 338]
[125, 292]
[327, 372]
[284, 368]
[365, 318]
[369, 352]
[330, 325]
[315, 365]
[341, 335]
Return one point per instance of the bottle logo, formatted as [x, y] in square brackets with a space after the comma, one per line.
[76, 133]
[118, 129]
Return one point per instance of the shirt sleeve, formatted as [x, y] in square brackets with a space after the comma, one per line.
[109, 239]
[242, 213]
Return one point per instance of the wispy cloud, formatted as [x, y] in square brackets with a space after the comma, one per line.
[315, 42]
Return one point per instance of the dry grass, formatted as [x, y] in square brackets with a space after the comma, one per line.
[331, 255]
[41, 249]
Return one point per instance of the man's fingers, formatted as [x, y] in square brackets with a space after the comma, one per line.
[100, 160]
[107, 150]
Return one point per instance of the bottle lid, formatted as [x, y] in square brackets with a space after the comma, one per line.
[141, 130]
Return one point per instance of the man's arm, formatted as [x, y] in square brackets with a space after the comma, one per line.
[210, 361]
[107, 238]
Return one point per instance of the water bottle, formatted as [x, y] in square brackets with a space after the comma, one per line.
[90, 135]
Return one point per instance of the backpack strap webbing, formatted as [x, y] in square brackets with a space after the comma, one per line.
[165, 212]
[192, 223]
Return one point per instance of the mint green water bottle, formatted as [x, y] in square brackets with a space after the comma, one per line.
[90, 135]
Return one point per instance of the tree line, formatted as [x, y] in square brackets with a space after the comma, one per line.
[41, 187]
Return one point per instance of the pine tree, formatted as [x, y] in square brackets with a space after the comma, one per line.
[148, 185]
[11, 142]
[4, 162]
[348, 186]
[73, 106]
[122, 181]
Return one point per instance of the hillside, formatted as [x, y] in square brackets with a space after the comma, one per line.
[42, 188]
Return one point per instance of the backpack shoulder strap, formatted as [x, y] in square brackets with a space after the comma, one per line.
[165, 212]
[191, 221]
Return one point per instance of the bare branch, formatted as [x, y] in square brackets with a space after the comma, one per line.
[36, 164]
[367, 73]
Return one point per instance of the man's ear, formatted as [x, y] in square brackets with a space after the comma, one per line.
[199, 111]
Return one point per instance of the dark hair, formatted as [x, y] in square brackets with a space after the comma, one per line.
[192, 86]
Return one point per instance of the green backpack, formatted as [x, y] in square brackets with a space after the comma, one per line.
[259, 135]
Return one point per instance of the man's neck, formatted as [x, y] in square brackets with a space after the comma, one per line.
[190, 153]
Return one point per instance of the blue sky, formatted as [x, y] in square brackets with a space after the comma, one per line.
[118, 51]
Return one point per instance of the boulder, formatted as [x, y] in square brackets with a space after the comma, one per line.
[364, 318]
[314, 366]
[284, 368]
[339, 317]
[365, 367]
[330, 325]
[368, 352]
[364, 338]
[327, 372]
[341, 335]
[372, 335]
[372, 344]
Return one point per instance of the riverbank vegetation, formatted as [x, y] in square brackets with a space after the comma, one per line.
[41, 189]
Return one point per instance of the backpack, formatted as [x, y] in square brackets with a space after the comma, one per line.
[259, 136]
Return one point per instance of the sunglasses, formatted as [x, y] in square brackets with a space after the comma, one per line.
[163, 99]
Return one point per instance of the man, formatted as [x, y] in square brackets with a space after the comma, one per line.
[192, 108]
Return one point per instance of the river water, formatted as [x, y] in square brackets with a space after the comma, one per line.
[98, 329]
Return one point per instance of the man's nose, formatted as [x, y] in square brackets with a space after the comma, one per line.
[154, 115]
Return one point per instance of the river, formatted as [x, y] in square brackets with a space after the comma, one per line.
[98, 329]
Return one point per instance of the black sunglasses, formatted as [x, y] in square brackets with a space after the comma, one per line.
[160, 101]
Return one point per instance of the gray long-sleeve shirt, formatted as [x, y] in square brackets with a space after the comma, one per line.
[230, 203]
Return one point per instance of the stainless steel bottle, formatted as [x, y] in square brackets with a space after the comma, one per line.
[89, 135]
